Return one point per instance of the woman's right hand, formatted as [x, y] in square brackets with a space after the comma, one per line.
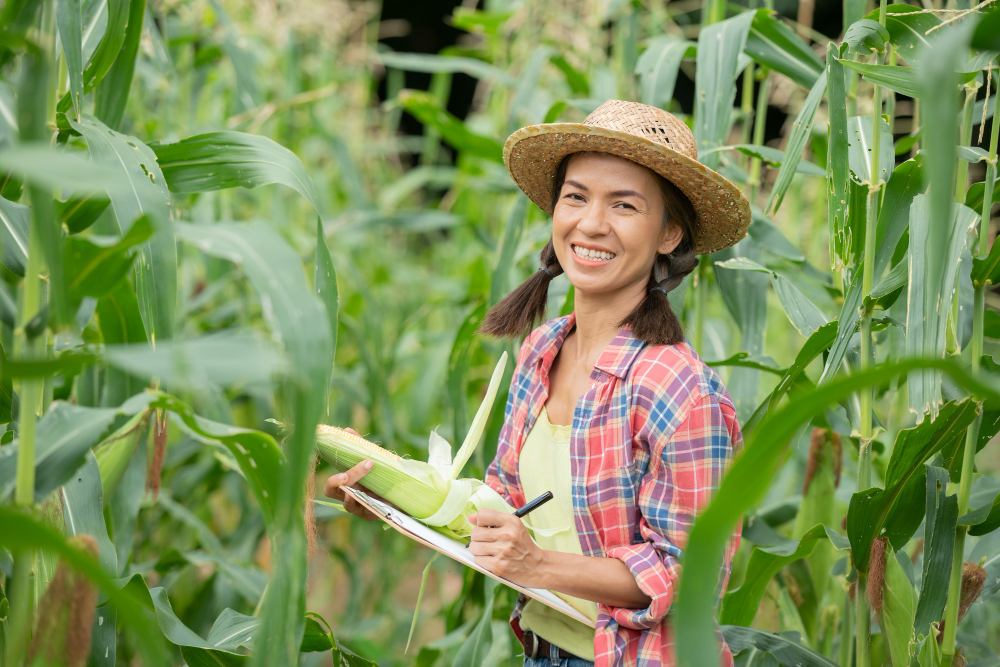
[335, 483]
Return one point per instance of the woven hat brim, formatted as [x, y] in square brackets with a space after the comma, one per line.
[533, 153]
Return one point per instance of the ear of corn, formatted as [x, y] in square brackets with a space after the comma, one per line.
[897, 610]
[430, 492]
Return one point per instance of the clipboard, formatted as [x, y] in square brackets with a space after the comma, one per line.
[456, 550]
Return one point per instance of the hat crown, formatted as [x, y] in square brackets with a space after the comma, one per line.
[649, 122]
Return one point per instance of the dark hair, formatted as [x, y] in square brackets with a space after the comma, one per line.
[652, 321]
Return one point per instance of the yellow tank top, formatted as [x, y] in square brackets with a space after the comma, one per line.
[544, 465]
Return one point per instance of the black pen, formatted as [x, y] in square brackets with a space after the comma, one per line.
[521, 512]
[534, 504]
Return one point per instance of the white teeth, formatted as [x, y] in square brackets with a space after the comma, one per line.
[588, 253]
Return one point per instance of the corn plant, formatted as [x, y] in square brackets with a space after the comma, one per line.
[203, 203]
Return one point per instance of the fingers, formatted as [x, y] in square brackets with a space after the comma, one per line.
[357, 472]
[357, 509]
[349, 478]
[482, 548]
[484, 534]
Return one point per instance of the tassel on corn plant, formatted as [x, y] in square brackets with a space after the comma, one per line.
[430, 492]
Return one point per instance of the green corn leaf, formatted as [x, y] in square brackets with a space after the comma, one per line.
[429, 112]
[893, 217]
[246, 580]
[983, 520]
[140, 189]
[860, 141]
[81, 211]
[10, 404]
[110, 45]
[120, 322]
[95, 265]
[796, 143]
[69, 170]
[766, 233]
[897, 508]
[195, 650]
[907, 26]
[477, 646]
[746, 483]
[125, 502]
[298, 318]
[15, 221]
[837, 161]
[513, 227]
[115, 453]
[216, 358]
[804, 315]
[783, 649]
[939, 541]
[220, 160]
[576, 79]
[434, 63]
[745, 296]
[260, 459]
[113, 88]
[22, 532]
[70, 19]
[903, 80]
[774, 158]
[657, 68]
[934, 265]
[865, 36]
[64, 436]
[930, 650]
[719, 48]
[987, 34]
[776, 46]
[740, 605]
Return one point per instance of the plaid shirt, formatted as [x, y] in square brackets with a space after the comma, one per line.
[651, 440]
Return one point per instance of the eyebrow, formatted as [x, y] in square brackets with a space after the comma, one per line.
[616, 193]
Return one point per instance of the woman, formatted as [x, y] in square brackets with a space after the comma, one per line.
[610, 408]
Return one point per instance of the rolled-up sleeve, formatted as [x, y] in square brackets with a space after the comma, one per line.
[686, 465]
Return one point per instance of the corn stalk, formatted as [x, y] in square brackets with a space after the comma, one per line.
[976, 352]
[867, 280]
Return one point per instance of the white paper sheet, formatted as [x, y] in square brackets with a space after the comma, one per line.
[456, 550]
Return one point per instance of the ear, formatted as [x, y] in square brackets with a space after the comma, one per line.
[670, 239]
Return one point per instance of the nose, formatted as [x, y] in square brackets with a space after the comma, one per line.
[593, 222]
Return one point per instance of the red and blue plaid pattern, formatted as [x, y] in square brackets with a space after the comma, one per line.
[651, 440]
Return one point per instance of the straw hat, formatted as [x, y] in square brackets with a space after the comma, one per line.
[645, 135]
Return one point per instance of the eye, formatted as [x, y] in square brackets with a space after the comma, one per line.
[575, 196]
[626, 204]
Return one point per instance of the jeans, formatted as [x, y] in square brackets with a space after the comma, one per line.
[552, 661]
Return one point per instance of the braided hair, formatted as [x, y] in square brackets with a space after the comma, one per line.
[652, 321]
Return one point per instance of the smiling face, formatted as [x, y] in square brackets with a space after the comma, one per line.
[608, 225]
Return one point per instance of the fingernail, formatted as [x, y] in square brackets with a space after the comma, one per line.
[341, 478]
[368, 465]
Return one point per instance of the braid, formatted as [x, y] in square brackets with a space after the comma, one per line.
[519, 311]
[654, 320]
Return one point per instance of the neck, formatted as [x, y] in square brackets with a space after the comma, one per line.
[598, 315]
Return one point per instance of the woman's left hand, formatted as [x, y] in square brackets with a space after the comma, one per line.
[501, 544]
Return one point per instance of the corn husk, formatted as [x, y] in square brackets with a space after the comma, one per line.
[430, 491]
[899, 605]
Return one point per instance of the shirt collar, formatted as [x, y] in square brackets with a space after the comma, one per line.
[616, 359]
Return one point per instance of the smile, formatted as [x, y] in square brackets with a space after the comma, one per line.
[591, 254]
